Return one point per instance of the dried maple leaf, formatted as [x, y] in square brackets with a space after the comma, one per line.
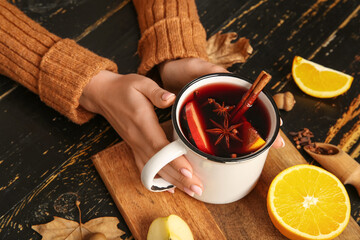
[222, 51]
[61, 228]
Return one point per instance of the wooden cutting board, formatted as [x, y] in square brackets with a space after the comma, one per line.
[244, 219]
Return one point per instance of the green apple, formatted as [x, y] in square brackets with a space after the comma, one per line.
[172, 227]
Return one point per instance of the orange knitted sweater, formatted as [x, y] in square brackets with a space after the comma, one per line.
[58, 69]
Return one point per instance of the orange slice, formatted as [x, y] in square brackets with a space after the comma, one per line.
[252, 140]
[259, 142]
[196, 125]
[319, 81]
[308, 202]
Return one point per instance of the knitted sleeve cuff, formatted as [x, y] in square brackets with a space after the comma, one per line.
[64, 72]
[170, 39]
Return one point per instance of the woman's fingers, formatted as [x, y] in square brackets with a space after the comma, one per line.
[179, 172]
[161, 98]
[279, 142]
[203, 67]
[127, 102]
[175, 74]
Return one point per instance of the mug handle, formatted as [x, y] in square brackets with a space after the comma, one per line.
[167, 154]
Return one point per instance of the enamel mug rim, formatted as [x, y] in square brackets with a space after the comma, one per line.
[248, 157]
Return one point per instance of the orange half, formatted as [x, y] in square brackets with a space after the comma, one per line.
[308, 202]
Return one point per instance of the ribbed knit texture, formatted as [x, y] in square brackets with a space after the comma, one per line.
[65, 70]
[22, 45]
[56, 69]
[170, 29]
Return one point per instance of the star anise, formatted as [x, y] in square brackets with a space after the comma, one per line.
[221, 110]
[225, 131]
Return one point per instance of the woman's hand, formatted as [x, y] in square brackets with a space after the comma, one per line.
[127, 102]
[177, 73]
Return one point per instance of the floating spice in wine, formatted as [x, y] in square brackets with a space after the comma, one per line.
[207, 119]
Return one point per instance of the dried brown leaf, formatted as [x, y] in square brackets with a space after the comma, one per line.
[224, 51]
[61, 228]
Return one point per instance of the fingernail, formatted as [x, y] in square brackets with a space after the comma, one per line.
[189, 192]
[282, 142]
[196, 189]
[281, 122]
[186, 172]
[171, 190]
[167, 95]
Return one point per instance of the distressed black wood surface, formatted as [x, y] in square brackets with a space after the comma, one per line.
[45, 159]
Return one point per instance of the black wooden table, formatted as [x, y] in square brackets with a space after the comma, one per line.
[45, 159]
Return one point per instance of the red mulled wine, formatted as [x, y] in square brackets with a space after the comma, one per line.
[206, 121]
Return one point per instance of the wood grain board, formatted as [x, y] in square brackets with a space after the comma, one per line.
[244, 219]
[140, 207]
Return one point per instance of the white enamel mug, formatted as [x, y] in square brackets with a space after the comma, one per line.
[225, 180]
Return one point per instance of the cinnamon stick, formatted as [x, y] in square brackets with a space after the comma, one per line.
[250, 96]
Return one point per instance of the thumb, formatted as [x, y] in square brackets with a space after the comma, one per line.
[160, 97]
